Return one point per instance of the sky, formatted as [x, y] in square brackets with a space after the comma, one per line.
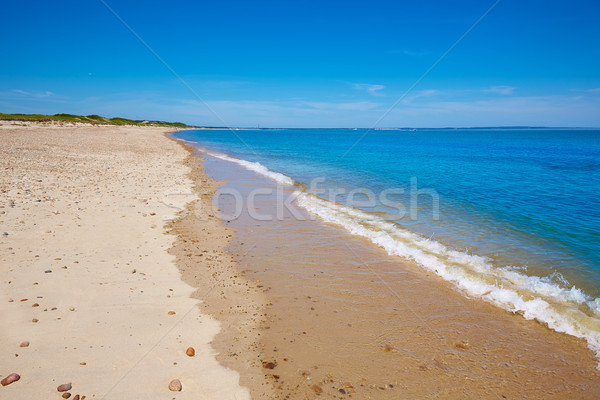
[306, 63]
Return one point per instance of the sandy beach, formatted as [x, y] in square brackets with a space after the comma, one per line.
[115, 262]
[89, 294]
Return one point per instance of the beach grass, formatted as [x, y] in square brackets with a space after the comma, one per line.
[90, 119]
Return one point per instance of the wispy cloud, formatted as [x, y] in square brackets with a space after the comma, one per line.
[526, 110]
[373, 90]
[593, 90]
[32, 94]
[505, 90]
[426, 93]
[356, 105]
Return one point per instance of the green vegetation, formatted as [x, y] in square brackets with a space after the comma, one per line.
[90, 119]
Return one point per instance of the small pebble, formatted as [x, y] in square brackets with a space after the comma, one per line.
[269, 365]
[5, 234]
[175, 385]
[462, 345]
[76, 397]
[171, 313]
[47, 271]
[35, 320]
[35, 305]
[190, 352]
[24, 344]
[65, 387]
[10, 379]
[66, 395]
[317, 389]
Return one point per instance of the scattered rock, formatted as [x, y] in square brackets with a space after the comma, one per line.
[76, 397]
[35, 305]
[317, 389]
[190, 352]
[10, 379]
[24, 344]
[171, 313]
[65, 387]
[35, 320]
[269, 365]
[47, 271]
[342, 391]
[66, 395]
[463, 344]
[82, 363]
[5, 234]
[175, 385]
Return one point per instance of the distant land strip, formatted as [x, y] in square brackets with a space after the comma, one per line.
[90, 119]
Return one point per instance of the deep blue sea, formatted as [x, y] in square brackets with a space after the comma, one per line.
[508, 215]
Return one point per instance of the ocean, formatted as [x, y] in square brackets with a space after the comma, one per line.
[510, 216]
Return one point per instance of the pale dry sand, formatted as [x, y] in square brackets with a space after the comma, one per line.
[90, 205]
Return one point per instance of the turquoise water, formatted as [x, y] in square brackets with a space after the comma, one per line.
[511, 216]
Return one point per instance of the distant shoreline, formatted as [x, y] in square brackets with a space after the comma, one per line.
[99, 120]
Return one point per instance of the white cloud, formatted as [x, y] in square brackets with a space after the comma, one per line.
[32, 94]
[527, 110]
[505, 90]
[593, 90]
[373, 90]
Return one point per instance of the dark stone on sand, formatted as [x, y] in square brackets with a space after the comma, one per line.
[47, 271]
[10, 379]
[64, 387]
[66, 395]
[269, 365]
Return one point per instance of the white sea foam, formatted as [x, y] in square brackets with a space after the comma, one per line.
[254, 166]
[564, 310]
[533, 297]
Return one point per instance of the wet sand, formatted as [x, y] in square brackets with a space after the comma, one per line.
[346, 319]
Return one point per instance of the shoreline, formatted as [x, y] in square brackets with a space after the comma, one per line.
[89, 294]
[290, 376]
[531, 294]
[130, 263]
[225, 293]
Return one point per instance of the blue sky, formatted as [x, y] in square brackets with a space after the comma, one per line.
[306, 64]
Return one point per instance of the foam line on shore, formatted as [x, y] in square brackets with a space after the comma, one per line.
[254, 166]
[564, 309]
